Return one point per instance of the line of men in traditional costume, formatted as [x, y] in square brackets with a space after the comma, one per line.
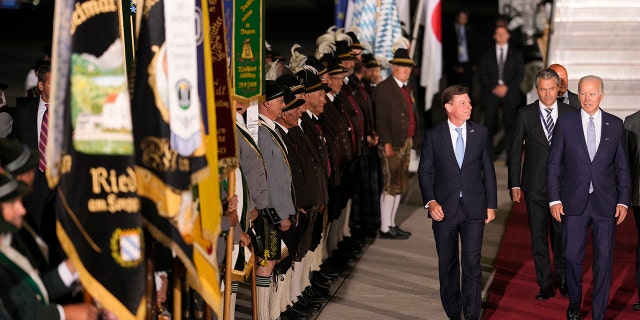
[310, 173]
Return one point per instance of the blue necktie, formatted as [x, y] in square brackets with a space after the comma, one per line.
[591, 144]
[459, 147]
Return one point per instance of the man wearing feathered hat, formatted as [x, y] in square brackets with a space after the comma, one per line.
[396, 124]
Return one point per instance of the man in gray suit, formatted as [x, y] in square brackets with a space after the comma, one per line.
[279, 182]
[632, 130]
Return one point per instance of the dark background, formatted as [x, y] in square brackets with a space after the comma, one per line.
[27, 28]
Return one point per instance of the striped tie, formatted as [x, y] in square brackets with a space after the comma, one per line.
[549, 124]
[42, 144]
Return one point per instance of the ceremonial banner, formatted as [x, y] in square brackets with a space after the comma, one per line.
[91, 156]
[165, 176]
[431, 50]
[248, 42]
[227, 150]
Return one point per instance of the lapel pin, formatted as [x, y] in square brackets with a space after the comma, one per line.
[472, 130]
[606, 123]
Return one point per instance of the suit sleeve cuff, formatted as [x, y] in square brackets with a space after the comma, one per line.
[67, 277]
[426, 206]
[554, 202]
[620, 204]
[61, 312]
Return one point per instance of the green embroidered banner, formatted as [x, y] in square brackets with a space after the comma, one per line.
[247, 48]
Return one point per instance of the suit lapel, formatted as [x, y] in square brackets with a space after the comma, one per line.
[604, 133]
[446, 136]
[472, 140]
[580, 132]
[534, 117]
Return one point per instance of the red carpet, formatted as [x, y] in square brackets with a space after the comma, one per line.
[512, 293]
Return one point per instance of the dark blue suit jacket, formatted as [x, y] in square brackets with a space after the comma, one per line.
[570, 170]
[442, 180]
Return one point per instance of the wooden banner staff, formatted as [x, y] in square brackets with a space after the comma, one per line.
[229, 253]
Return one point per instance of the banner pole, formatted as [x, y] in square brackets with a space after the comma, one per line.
[229, 252]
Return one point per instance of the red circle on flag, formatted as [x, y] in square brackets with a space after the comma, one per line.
[436, 23]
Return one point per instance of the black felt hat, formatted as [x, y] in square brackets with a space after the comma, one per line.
[291, 101]
[273, 90]
[10, 188]
[311, 81]
[355, 43]
[370, 61]
[316, 64]
[401, 58]
[343, 52]
[292, 82]
[333, 64]
[16, 157]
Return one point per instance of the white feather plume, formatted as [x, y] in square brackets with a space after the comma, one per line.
[272, 71]
[340, 35]
[297, 60]
[401, 43]
[324, 48]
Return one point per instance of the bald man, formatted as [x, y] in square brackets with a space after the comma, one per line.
[564, 94]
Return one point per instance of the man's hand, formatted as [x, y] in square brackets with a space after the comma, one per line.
[80, 311]
[244, 239]
[500, 90]
[515, 195]
[491, 214]
[621, 213]
[435, 210]
[557, 210]
[285, 224]
[388, 150]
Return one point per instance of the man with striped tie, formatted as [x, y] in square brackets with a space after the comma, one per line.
[531, 139]
[30, 126]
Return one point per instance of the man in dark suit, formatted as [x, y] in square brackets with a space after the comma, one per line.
[460, 206]
[564, 94]
[460, 54]
[632, 129]
[589, 188]
[501, 70]
[532, 137]
[29, 120]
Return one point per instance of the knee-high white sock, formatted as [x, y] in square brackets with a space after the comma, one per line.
[346, 230]
[296, 277]
[232, 309]
[275, 292]
[283, 292]
[386, 209]
[307, 262]
[396, 204]
[263, 291]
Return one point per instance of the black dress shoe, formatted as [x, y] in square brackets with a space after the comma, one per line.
[400, 231]
[562, 287]
[392, 234]
[636, 306]
[306, 304]
[545, 293]
[573, 313]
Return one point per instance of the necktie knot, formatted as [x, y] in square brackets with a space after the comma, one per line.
[548, 110]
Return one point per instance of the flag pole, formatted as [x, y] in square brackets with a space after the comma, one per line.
[416, 27]
[229, 252]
